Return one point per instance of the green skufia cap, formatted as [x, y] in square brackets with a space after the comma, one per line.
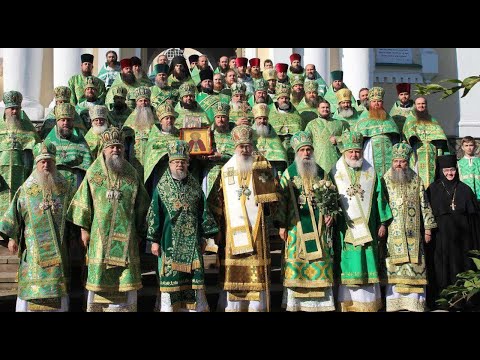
[62, 93]
[221, 109]
[310, 85]
[296, 79]
[112, 136]
[186, 89]
[160, 69]
[64, 111]
[351, 140]
[401, 151]
[141, 92]
[12, 99]
[242, 134]
[336, 75]
[178, 150]
[260, 85]
[300, 139]
[44, 151]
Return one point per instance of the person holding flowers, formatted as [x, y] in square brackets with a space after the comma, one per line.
[305, 216]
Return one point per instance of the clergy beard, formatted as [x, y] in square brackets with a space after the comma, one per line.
[284, 106]
[245, 164]
[298, 95]
[236, 106]
[402, 176]
[118, 106]
[296, 70]
[13, 121]
[422, 115]
[256, 75]
[312, 102]
[161, 84]
[311, 76]
[355, 164]
[115, 163]
[263, 130]
[364, 103]
[179, 174]
[97, 130]
[91, 97]
[191, 106]
[167, 128]
[87, 73]
[144, 117]
[128, 78]
[346, 113]
[207, 90]
[217, 87]
[307, 169]
[46, 180]
[65, 132]
[377, 114]
[179, 75]
[137, 74]
[260, 100]
[222, 129]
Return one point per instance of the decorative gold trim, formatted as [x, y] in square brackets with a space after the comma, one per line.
[308, 284]
[301, 307]
[404, 303]
[181, 288]
[347, 306]
[360, 281]
[242, 287]
[244, 296]
[406, 281]
[111, 288]
[245, 262]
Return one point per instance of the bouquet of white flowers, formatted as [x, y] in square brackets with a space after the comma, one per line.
[326, 198]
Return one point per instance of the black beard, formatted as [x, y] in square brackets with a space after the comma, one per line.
[128, 78]
[403, 176]
[119, 106]
[296, 70]
[179, 75]
[207, 90]
[190, 106]
[86, 73]
[65, 133]
[422, 115]
[91, 98]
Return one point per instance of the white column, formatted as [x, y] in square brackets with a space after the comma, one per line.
[320, 57]
[280, 55]
[250, 53]
[467, 65]
[357, 68]
[66, 63]
[22, 71]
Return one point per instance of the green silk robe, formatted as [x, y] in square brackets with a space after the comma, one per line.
[306, 112]
[73, 155]
[428, 140]
[352, 120]
[175, 84]
[326, 154]
[285, 125]
[207, 103]
[119, 83]
[244, 110]
[16, 158]
[383, 134]
[469, 171]
[94, 142]
[115, 226]
[359, 265]
[178, 219]
[301, 271]
[77, 84]
[332, 98]
[159, 96]
[412, 214]
[197, 112]
[400, 114]
[118, 118]
[42, 237]
[50, 121]
[272, 149]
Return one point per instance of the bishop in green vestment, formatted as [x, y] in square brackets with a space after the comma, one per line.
[17, 139]
[178, 222]
[240, 110]
[364, 219]
[428, 140]
[379, 132]
[120, 111]
[156, 153]
[73, 154]
[411, 225]
[307, 232]
[98, 114]
[190, 114]
[308, 107]
[345, 111]
[36, 225]
[111, 206]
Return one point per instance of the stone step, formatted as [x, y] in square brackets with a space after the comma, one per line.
[8, 268]
[8, 277]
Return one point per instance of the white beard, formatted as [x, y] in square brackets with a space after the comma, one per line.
[307, 169]
[179, 174]
[144, 118]
[263, 130]
[346, 113]
[244, 164]
[46, 180]
[115, 163]
[97, 130]
[355, 164]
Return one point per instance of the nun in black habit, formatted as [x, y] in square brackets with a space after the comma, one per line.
[457, 215]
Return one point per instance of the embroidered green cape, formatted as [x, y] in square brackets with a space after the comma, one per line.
[77, 84]
[42, 235]
[159, 96]
[50, 122]
[115, 225]
[400, 114]
[307, 112]
[118, 118]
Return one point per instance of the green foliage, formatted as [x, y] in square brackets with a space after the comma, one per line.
[467, 84]
[464, 289]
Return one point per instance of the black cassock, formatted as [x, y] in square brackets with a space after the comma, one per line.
[457, 233]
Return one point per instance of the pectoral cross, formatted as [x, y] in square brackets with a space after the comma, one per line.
[453, 205]
[13, 139]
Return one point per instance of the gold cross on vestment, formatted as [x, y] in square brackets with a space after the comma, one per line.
[367, 175]
[231, 176]
[263, 178]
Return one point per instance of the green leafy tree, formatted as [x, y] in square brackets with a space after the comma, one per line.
[466, 84]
